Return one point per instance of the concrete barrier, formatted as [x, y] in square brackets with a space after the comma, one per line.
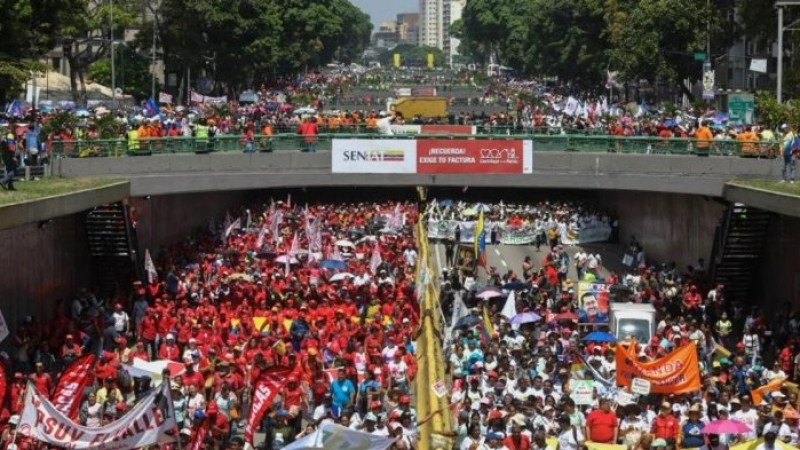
[184, 173]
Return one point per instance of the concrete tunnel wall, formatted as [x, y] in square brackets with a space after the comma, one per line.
[42, 265]
[670, 227]
[779, 268]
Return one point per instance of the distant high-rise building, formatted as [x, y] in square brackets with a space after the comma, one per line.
[408, 28]
[452, 12]
[430, 23]
[435, 18]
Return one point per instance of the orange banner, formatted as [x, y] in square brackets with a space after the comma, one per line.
[676, 373]
[758, 393]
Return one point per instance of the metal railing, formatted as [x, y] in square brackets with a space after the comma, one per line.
[322, 142]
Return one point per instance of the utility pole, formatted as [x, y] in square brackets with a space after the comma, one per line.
[153, 71]
[113, 71]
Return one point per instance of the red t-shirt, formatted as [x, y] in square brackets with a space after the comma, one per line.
[601, 425]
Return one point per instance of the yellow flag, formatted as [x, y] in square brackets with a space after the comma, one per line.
[259, 322]
[397, 60]
[430, 60]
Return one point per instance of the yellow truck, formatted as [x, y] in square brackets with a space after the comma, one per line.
[425, 107]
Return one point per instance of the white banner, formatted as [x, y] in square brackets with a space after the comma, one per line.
[330, 435]
[373, 156]
[446, 229]
[150, 422]
[520, 235]
[197, 98]
[407, 129]
[598, 232]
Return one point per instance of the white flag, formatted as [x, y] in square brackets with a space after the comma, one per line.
[510, 308]
[459, 310]
[150, 268]
[260, 239]
[376, 260]
[234, 226]
[149, 422]
[287, 269]
[295, 249]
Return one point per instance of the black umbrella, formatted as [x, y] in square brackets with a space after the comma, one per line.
[467, 321]
[516, 286]
[266, 255]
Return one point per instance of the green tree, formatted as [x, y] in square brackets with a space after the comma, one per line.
[132, 69]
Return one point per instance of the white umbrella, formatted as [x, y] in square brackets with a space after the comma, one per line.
[305, 110]
[343, 243]
[282, 259]
[341, 276]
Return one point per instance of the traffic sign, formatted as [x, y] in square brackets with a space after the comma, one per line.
[700, 56]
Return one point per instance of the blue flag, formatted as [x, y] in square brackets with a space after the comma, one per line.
[151, 107]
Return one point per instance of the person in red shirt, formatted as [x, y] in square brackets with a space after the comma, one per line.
[169, 350]
[70, 350]
[308, 129]
[193, 378]
[140, 352]
[516, 440]
[665, 425]
[17, 393]
[42, 380]
[602, 425]
[148, 330]
[218, 424]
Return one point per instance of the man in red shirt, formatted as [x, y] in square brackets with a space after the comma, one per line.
[42, 380]
[602, 425]
[665, 425]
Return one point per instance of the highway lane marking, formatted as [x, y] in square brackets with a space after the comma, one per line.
[503, 262]
[497, 251]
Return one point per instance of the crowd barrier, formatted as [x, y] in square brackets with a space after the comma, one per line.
[437, 432]
[322, 142]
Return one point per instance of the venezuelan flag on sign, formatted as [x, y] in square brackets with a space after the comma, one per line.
[480, 241]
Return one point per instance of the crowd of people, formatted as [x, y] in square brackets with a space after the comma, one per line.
[327, 291]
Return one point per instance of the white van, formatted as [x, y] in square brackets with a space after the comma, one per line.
[637, 320]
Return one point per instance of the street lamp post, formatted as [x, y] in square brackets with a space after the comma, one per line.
[781, 4]
[113, 71]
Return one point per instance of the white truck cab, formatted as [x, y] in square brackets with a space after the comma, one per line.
[636, 320]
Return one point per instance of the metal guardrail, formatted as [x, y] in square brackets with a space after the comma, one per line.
[322, 142]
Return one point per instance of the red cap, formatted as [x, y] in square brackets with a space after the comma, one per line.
[376, 404]
[492, 374]
[405, 399]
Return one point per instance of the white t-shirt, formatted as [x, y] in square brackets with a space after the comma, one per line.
[749, 418]
[398, 370]
[384, 126]
[120, 321]
[567, 439]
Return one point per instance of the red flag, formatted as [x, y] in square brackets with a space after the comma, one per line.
[68, 392]
[3, 385]
[199, 436]
[269, 383]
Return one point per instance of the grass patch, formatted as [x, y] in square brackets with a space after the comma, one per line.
[771, 186]
[49, 187]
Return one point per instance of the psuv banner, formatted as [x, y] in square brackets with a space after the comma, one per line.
[677, 373]
[150, 422]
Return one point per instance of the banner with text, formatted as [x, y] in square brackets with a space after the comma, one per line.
[677, 373]
[76, 377]
[150, 422]
[268, 385]
[432, 156]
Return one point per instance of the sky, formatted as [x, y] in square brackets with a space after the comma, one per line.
[383, 10]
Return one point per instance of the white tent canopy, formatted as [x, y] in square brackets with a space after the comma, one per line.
[334, 436]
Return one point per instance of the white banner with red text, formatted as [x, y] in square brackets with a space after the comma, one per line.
[432, 156]
[150, 422]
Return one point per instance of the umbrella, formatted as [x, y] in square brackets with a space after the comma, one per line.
[482, 207]
[467, 321]
[343, 243]
[305, 110]
[446, 202]
[82, 113]
[469, 212]
[726, 427]
[333, 264]
[516, 286]
[600, 336]
[266, 255]
[282, 259]
[525, 317]
[241, 276]
[486, 295]
[565, 316]
[341, 276]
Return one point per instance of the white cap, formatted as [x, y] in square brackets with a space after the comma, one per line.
[186, 431]
[170, 336]
[13, 420]
[371, 416]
